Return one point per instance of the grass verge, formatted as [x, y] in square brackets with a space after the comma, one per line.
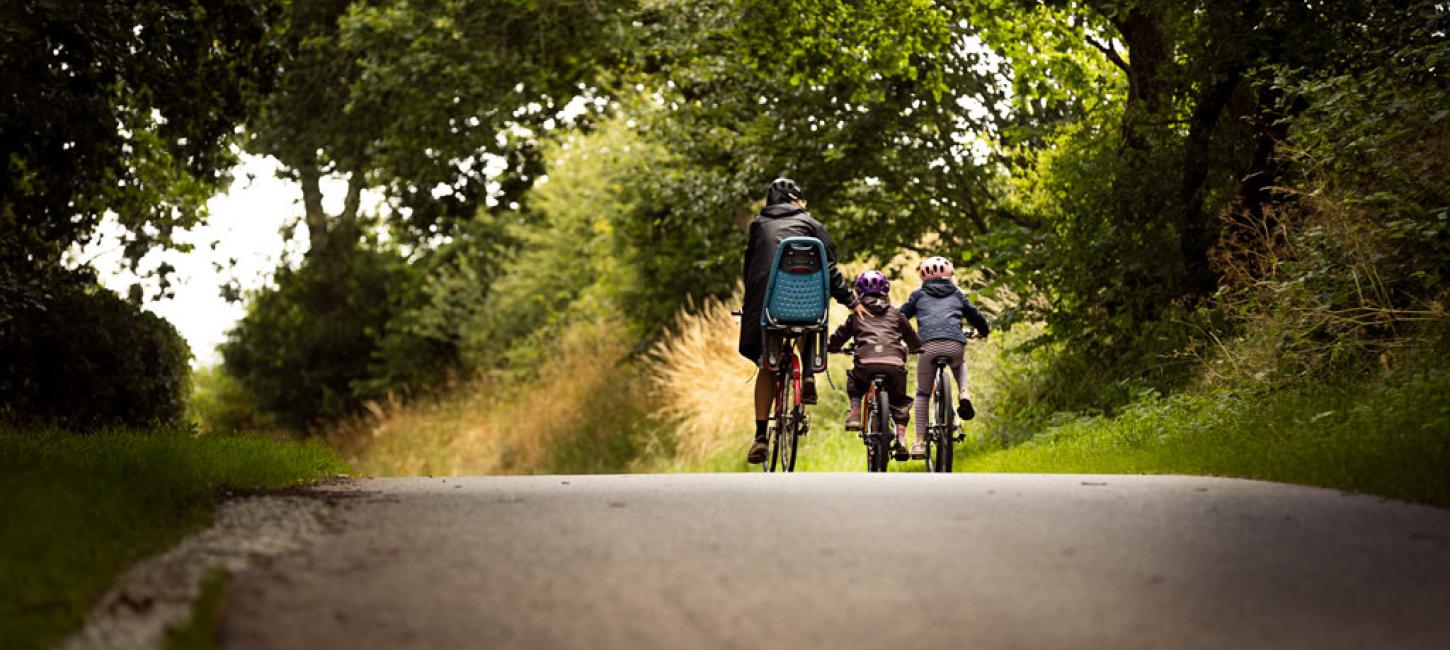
[81, 509]
[1389, 437]
[199, 631]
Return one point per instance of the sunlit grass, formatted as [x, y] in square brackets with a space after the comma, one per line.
[1389, 437]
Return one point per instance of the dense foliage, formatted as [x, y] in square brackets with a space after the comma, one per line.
[109, 108]
[1147, 178]
[304, 344]
[116, 107]
[89, 358]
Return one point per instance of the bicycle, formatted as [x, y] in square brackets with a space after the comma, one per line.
[788, 421]
[878, 430]
[943, 432]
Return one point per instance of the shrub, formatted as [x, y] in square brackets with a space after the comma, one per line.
[82, 357]
[305, 347]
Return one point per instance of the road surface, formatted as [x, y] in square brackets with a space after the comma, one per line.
[852, 561]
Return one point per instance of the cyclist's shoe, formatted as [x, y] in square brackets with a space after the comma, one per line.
[964, 409]
[757, 453]
[899, 450]
[918, 450]
[853, 419]
[808, 391]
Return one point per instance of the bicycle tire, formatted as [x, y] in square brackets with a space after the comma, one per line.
[791, 443]
[782, 432]
[946, 422]
[886, 435]
[795, 416]
[870, 433]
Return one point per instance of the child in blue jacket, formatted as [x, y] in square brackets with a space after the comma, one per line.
[939, 307]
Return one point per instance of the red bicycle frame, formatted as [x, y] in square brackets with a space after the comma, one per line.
[795, 381]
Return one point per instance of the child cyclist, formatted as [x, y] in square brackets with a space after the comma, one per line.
[883, 338]
[939, 307]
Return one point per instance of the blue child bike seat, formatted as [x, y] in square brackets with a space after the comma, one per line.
[799, 288]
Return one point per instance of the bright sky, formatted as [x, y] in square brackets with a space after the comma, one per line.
[246, 223]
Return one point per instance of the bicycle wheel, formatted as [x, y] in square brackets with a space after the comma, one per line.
[885, 435]
[795, 418]
[870, 434]
[930, 426]
[782, 434]
[789, 438]
[945, 422]
[882, 453]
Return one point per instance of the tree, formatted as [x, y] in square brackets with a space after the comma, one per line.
[878, 109]
[420, 102]
[116, 107]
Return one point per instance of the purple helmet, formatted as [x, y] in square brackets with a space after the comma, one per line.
[872, 281]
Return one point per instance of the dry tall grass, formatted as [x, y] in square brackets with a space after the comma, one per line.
[702, 386]
[578, 415]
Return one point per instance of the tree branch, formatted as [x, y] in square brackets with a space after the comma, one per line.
[310, 176]
[354, 197]
[1112, 54]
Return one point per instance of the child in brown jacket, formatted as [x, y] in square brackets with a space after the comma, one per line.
[883, 339]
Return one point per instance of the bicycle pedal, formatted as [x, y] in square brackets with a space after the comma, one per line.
[959, 437]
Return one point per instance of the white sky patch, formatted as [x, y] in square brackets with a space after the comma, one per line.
[246, 223]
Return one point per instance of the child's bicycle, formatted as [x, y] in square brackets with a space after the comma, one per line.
[878, 431]
[943, 431]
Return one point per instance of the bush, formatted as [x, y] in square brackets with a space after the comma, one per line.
[219, 404]
[305, 348]
[82, 357]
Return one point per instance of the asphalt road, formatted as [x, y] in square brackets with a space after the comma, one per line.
[852, 561]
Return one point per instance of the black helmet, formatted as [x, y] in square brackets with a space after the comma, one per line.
[783, 190]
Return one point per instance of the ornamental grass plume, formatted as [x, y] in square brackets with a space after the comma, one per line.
[702, 386]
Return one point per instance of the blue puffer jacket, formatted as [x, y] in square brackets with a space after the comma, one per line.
[939, 307]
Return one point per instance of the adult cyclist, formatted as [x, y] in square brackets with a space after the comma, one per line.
[784, 215]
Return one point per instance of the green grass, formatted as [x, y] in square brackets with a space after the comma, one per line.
[78, 510]
[199, 631]
[1388, 436]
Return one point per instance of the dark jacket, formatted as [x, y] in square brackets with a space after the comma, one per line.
[775, 223]
[939, 307]
[885, 336]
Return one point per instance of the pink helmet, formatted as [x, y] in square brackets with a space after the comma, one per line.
[936, 267]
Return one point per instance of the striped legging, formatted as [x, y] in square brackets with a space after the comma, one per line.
[926, 375]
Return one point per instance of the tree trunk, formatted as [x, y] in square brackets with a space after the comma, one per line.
[1195, 234]
[317, 226]
[1142, 32]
